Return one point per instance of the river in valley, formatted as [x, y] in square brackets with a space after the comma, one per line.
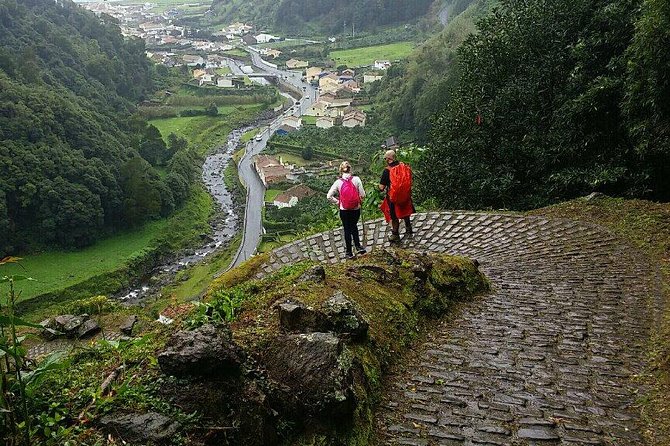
[226, 223]
[224, 226]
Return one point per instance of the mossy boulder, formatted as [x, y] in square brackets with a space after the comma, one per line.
[318, 338]
[206, 351]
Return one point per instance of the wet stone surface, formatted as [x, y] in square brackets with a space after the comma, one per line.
[547, 358]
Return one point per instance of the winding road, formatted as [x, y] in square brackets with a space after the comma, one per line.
[253, 220]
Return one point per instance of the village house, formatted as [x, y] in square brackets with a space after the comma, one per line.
[290, 197]
[239, 29]
[168, 40]
[248, 39]
[325, 122]
[198, 73]
[294, 64]
[317, 109]
[192, 60]
[350, 86]
[270, 52]
[329, 84]
[292, 121]
[266, 38]
[215, 61]
[333, 101]
[354, 118]
[206, 79]
[372, 77]
[382, 64]
[313, 73]
[229, 81]
[270, 170]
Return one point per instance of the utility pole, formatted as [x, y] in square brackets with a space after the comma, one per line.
[353, 30]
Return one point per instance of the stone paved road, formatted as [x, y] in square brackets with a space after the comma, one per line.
[547, 358]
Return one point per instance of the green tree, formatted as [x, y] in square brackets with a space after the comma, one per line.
[142, 190]
[307, 153]
[536, 116]
[211, 110]
[647, 98]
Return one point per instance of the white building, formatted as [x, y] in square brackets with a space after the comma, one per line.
[265, 38]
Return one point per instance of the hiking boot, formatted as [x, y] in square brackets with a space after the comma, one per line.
[394, 237]
[361, 251]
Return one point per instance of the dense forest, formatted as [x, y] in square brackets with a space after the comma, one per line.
[545, 102]
[326, 17]
[74, 163]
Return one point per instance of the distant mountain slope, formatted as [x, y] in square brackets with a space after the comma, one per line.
[412, 92]
[327, 16]
[69, 164]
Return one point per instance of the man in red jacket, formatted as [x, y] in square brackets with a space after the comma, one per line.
[394, 211]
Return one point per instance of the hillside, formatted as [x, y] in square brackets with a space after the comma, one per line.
[70, 169]
[415, 90]
[324, 17]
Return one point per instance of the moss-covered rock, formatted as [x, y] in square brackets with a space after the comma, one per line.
[322, 374]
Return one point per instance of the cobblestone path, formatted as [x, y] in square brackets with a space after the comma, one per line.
[548, 357]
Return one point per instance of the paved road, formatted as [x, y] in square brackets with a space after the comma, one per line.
[547, 358]
[253, 222]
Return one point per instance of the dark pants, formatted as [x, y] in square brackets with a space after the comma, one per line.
[395, 223]
[349, 223]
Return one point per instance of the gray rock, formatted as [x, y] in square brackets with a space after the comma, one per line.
[314, 274]
[344, 317]
[206, 351]
[338, 314]
[88, 328]
[49, 331]
[141, 428]
[69, 324]
[127, 326]
[595, 196]
[315, 373]
[538, 433]
[298, 318]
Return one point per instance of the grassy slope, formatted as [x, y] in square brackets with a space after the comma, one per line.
[53, 270]
[203, 132]
[367, 55]
[57, 270]
[647, 226]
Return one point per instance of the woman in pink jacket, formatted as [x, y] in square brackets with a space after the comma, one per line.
[350, 192]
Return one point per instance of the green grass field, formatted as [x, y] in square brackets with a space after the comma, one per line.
[292, 159]
[57, 270]
[309, 120]
[248, 136]
[193, 282]
[361, 57]
[236, 52]
[285, 44]
[204, 132]
[271, 194]
[164, 5]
